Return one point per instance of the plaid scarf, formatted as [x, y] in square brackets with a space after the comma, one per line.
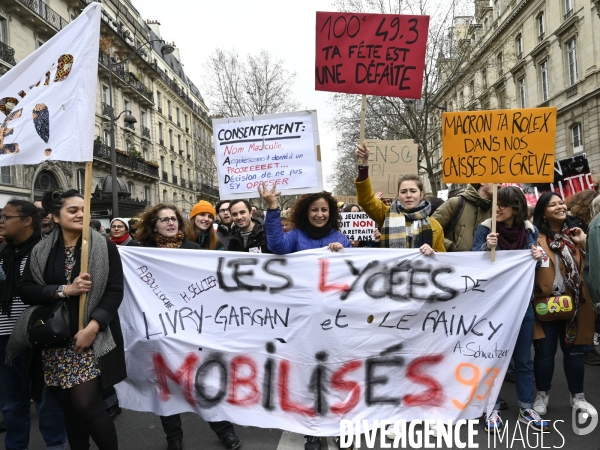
[407, 228]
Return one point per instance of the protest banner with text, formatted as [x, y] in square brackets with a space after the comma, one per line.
[371, 54]
[300, 341]
[571, 175]
[357, 226]
[503, 146]
[388, 161]
[281, 150]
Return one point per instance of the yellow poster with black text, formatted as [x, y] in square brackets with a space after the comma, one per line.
[501, 146]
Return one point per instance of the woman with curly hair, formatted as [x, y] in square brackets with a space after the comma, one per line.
[316, 223]
[162, 226]
[579, 206]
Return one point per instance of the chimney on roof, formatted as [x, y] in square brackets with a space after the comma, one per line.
[154, 25]
[176, 53]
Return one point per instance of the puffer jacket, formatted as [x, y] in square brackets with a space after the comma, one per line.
[296, 240]
[476, 210]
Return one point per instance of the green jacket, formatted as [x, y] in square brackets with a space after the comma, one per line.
[476, 210]
[591, 265]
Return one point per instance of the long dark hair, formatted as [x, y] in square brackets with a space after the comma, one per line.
[514, 197]
[300, 210]
[539, 211]
[53, 201]
[145, 233]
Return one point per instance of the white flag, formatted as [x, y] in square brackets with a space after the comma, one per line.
[48, 100]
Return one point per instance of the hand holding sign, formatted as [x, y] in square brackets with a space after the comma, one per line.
[270, 196]
[362, 154]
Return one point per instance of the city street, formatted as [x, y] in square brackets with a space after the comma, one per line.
[143, 430]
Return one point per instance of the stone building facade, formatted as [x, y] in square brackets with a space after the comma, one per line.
[532, 53]
[150, 168]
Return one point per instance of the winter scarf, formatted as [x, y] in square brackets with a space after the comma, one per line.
[98, 265]
[12, 257]
[394, 233]
[169, 242]
[514, 238]
[123, 240]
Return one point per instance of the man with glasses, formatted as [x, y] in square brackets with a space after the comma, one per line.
[225, 222]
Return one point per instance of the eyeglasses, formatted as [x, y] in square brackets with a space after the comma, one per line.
[4, 217]
[223, 211]
[502, 207]
[167, 219]
[116, 227]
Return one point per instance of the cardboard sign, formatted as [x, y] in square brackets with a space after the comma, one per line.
[358, 226]
[388, 161]
[301, 341]
[503, 146]
[371, 54]
[571, 175]
[278, 149]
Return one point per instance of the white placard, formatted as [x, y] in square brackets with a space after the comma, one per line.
[301, 341]
[281, 150]
[358, 226]
[48, 100]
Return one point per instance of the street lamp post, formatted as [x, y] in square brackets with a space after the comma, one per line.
[165, 50]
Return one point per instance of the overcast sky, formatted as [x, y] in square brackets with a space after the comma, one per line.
[286, 29]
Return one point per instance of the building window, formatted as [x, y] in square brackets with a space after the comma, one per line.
[484, 78]
[180, 170]
[160, 134]
[185, 119]
[519, 46]
[461, 98]
[472, 89]
[165, 196]
[171, 139]
[3, 30]
[179, 143]
[572, 60]
[497, 8]
[106, 137]
[500, 63]
[187, 148]
[131, 188]
[522, 93]
[545, 83]
[541, 27]
[162, 164]
[173, 169]
[5, 177]
[501, 97]
[126, 106]
[105, 95]
[577, 138]
[146, 194]
[568, 8]
[80, 180]
[143, 117]
[159, 101]
[145, 153]
[169, 108]
[177, 114]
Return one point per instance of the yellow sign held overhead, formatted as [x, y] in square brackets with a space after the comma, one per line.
[502, 146]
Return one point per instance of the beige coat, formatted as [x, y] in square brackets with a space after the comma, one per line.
[544, 279]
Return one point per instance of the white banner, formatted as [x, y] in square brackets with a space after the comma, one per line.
[48, 100]
[357, 226]
[280, 149]
[301, 341]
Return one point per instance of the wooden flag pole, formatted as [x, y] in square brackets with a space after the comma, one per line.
[85, 235]
[494, 206]
[361, 139]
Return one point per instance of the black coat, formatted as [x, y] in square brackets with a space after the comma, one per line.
[112, 364]
[257, 238]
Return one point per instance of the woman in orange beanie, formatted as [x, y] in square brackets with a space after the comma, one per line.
[200, 228]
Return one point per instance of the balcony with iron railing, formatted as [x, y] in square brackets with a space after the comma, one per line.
[127, 77]
[7, 54]
[145, 132]
[208, 190]
[191, 185]
[43, 13]
[130, 125]
[174, 179]
[102, 151]
[183, 183]
[107, 110]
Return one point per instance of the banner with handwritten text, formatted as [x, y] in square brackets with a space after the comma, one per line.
[503, 146]
[371, 54]
[388, 161]
[48, 100]
[281, 150]
[300, 341]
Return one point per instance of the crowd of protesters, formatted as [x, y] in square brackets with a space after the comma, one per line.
[71, 381]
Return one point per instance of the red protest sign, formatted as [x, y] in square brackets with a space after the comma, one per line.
[371, 54]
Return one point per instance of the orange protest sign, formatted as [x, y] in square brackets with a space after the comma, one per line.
[503, 146]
